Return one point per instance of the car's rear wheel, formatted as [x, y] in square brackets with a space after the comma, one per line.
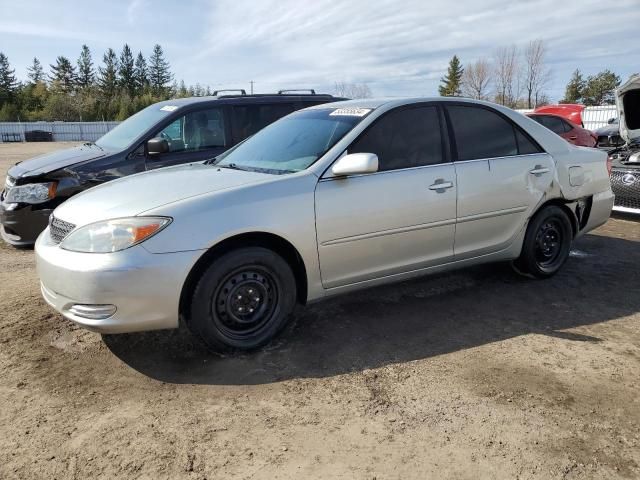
[243, 299]
[547, 243]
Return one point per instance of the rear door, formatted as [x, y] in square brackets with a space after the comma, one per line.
[398, 219]
[197, 135]
[502, 176]
[249, 119]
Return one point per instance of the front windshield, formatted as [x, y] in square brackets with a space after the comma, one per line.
[294, 142]
[124, 134]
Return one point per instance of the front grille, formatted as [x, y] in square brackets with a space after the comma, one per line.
[58, 229]
[626, 187]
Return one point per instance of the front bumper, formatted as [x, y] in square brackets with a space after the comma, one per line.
[21, 226]
[143, 287]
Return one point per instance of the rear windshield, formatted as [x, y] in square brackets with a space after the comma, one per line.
[293, 143]
[124, 134]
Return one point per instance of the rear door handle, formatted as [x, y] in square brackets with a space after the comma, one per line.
[440, 185]
[573, 137]
[539, 170]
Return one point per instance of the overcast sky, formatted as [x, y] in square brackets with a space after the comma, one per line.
[396, 47]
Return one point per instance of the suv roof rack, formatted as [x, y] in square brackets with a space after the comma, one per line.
[241, 90]
[310, 90]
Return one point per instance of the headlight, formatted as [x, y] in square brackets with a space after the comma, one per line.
[31, 193]
[113, 235]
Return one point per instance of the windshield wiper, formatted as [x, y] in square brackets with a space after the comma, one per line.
[233, 166]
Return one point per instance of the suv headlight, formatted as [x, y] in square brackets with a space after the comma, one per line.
[31, 193]
[113, 235]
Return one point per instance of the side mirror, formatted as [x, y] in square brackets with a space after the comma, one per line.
[355, 164]
[157, 145]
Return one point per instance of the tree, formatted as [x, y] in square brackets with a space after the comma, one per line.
[86, 74]
[8, 82]
[575, 88]
[63, 75]
[159, 72]
[126, 71]
[352, 90]
[536, 74]
[35, 72]
[108, 75]
[600, 88]
[140, 74]
[452, 81]
[506, 76]
[476, 80]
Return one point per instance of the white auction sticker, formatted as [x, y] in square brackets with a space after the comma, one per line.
[350, 112]
[169, 108]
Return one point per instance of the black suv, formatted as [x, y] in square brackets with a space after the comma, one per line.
[166, 133]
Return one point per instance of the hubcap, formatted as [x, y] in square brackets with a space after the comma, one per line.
[244, 302]
[549, 242]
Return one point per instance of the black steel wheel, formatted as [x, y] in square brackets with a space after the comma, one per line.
[243, 299]
[547, 243]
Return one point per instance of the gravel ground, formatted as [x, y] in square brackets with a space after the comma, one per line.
[473, 374]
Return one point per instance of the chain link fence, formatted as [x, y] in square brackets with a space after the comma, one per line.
[53, 131]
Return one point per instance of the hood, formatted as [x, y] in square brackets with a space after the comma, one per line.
[55, 160]
[136, 194]
[628, 103]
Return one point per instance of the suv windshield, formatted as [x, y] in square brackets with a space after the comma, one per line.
[124, 134]
[294, 142]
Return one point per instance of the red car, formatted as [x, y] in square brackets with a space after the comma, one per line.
[569, 131]
[568, 111]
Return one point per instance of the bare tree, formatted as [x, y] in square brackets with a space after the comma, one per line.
[507, 78]
[352, 90]
[536, 75]
[476, 79]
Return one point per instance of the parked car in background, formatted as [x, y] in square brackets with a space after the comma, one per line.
[568, 111]
[571, 132]
[327, 200]
[609, 135]
[164, 134]
[625, 160]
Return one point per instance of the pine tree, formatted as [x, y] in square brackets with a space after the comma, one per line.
[141, 74]
[159, 72]
[126, 71]
[452, 82]
[600, 88]
[108, 75]
[86, 74]
[35, 72]
[575, 88]
[8, 82]
[63, 75]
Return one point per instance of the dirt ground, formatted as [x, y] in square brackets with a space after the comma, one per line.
[474, 374]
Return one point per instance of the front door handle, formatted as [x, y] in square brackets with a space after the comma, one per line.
[539, 170]
[573, 137]
[440, 185]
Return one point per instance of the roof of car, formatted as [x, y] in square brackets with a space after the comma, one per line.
[391, 102]
[181, 102]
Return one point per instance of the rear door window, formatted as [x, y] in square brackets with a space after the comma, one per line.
[249, 119]
[481, 133]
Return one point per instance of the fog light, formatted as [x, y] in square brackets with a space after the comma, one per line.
[93, 312]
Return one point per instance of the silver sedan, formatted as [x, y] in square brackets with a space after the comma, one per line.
[328, 200]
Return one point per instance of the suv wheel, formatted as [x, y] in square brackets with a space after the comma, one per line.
[243, 299]
[547, 243]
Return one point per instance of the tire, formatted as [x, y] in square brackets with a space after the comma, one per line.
[243, 300]
[546, 245]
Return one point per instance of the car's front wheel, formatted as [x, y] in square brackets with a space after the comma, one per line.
[243, 299]
[547, 243]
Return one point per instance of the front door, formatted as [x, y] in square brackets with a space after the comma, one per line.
[195, 136]
[398, 219]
